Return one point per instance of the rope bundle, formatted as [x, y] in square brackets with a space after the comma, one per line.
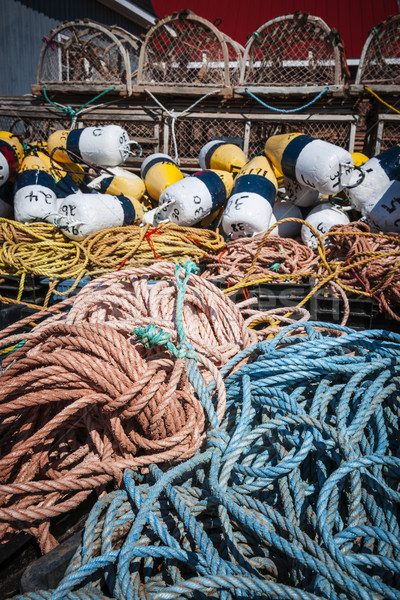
[294, 496]
[81, 401]
[365, 263]
[277, 255]
[42, 249]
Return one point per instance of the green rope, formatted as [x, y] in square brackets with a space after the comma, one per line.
[151, 335]
[71, 112]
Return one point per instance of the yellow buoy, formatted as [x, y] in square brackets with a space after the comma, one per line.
[121, 182]
[158, 172]
[359, 158]
[220, 156]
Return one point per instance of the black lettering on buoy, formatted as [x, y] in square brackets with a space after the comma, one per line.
[309, 183]
[197, 199]
[392, 206]
[97, 132]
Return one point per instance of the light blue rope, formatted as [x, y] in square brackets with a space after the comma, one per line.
[291, 110]
[293, 497]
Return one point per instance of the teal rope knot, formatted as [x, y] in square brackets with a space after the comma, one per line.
[275, 267]
[152, 336]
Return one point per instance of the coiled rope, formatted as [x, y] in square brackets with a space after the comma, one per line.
[355, 262]
[83, 400]
[42, 249]
[294, 496]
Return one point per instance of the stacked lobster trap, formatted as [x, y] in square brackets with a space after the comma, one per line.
[187, 83]
[378, 76]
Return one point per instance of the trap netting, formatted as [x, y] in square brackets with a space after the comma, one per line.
[186, 50]
[296, 51]
[380, 58]
[80, 55]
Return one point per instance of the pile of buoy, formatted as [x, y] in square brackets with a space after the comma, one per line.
[295, 176]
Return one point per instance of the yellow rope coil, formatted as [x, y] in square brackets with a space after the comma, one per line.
[42, 249]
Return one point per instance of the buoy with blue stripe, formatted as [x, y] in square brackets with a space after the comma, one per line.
[11, 155]
[120, 181]
[221, 156]
[300, 195]
[322, 218]
[35, 196]
[378, 174]
[188, 201]
[286, 210]
[80, 215]
[6, 200]
[249, 207]
[314, 163]
[383, 209]
[106, 146]
[159, 171]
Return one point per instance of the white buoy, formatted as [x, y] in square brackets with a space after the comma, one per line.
[106, 146]
[222, 156]
[300, 195]
[80, 215]
[285, 210]
[249, 207]
[378, 173]
[314, 163]
[188, 201]
[35, 196]
[322, 218]
[383, 209]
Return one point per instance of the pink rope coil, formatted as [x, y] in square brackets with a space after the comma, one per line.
[81, 400]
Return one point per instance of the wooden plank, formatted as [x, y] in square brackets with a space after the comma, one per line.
[84, 88]
[176, 90]
[378, 88]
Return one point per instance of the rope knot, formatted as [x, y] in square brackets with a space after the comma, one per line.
[151, 336]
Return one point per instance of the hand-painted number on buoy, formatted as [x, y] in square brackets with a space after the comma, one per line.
[391, 209]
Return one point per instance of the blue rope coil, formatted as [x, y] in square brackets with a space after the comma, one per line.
[294, 496]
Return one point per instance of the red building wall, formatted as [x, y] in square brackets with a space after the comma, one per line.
[352, 18]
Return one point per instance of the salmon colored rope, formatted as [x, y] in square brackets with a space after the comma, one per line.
[81, 399]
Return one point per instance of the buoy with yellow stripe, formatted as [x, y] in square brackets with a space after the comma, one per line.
[249, 207]
[105, 146]
[190, 200]
[119, 181]
[314, 163]
[159, 171]
[11, 156]
[322, 218]
[80, 214]
[35, 196]
[222, 156]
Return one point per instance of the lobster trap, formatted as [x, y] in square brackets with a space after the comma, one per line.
[379, 67]
[188, 54]
[295, 53]
[84, 56]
